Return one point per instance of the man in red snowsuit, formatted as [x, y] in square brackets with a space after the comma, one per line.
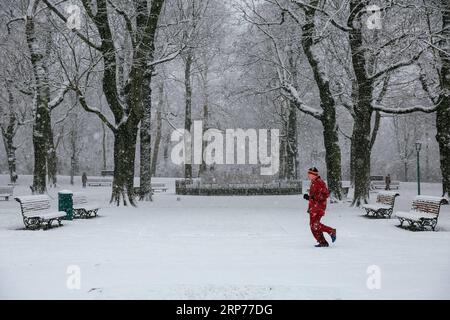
[317, 197]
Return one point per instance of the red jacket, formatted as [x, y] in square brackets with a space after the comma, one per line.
[318, 194]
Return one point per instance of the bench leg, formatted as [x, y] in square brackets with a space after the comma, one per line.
[32, 223]
[93, 213]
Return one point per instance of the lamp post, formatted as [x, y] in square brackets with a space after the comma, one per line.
[418, 147]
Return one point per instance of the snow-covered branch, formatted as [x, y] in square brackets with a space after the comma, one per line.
[396, 66]
[56, 101]
[331, 18]
[86, 107]
[64, 19]
[292, 94]
[128, 23]
[417, 108]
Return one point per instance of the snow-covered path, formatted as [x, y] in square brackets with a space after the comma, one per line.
[221, 247]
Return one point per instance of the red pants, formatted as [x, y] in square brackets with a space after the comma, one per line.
[318, 228]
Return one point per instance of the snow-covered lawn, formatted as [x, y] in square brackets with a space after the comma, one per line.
[256, 247]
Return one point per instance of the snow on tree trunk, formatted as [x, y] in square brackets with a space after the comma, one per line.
[188, 113]
[8, 137]
[443, 111]
[145, 189]
[124, 159]
[42, 113]
[362, 99]
[158, 128]
[328, 117]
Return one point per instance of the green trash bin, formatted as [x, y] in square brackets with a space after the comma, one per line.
[65, 203]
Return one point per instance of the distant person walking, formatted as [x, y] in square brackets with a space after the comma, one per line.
[84, 179]
[387, 180]
[317, 197]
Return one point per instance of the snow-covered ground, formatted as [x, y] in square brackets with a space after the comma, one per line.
[256, 247]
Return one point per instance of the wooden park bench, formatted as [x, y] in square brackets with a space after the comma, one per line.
[106, 173]
[155, 187]
[6, 192]
[98, 182]
[36, 212]
[394, 185]
[424, 213]
[159, 187]
[384, 205]
[81, 207]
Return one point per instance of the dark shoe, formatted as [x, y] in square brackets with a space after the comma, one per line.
[323, 244]
[333, 236]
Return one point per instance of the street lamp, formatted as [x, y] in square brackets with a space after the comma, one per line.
[418, 147]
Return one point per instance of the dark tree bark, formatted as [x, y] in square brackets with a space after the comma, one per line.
[132, 101]
[145, 189]
[362, 98]
[443, 111]
[328, 118]
[158, 128]
[188, 113]
[42, 112]
[104, 134]
[291, 163]
[8, 134]
[205, 117]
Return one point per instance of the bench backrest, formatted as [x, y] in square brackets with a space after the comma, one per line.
[158, 185]
[6, 190]
[387, 198]
[31, 204]
[79, 198]
[99, 180]
[427, 204]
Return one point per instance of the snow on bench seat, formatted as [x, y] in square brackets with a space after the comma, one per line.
[36, 211]
[375, 206]
[384, 205]
[415, 215]
[6, 192]
[424, 213]
[48, 215]
[81, 207]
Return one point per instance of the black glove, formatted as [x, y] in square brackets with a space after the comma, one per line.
[306, 196]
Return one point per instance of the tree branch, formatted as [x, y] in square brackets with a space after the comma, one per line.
[128, 23]
[63, 18]
[406, 110]
[396, 66]
[292, 95]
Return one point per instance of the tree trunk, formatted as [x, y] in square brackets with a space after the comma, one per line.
[283, 150]
[104, 145]
[158, 128]
[443, 112]
[361, 154]
[40, 147]
[332, 153]
[11, 154]
[145, 187]
[52, 160]
[205, 125]
[405, 164]
[74, 153]
[291, 132]
[362, 99]
[328, 119]
[8, 137]
[124, 158]
[188, 114]
[42, 113]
